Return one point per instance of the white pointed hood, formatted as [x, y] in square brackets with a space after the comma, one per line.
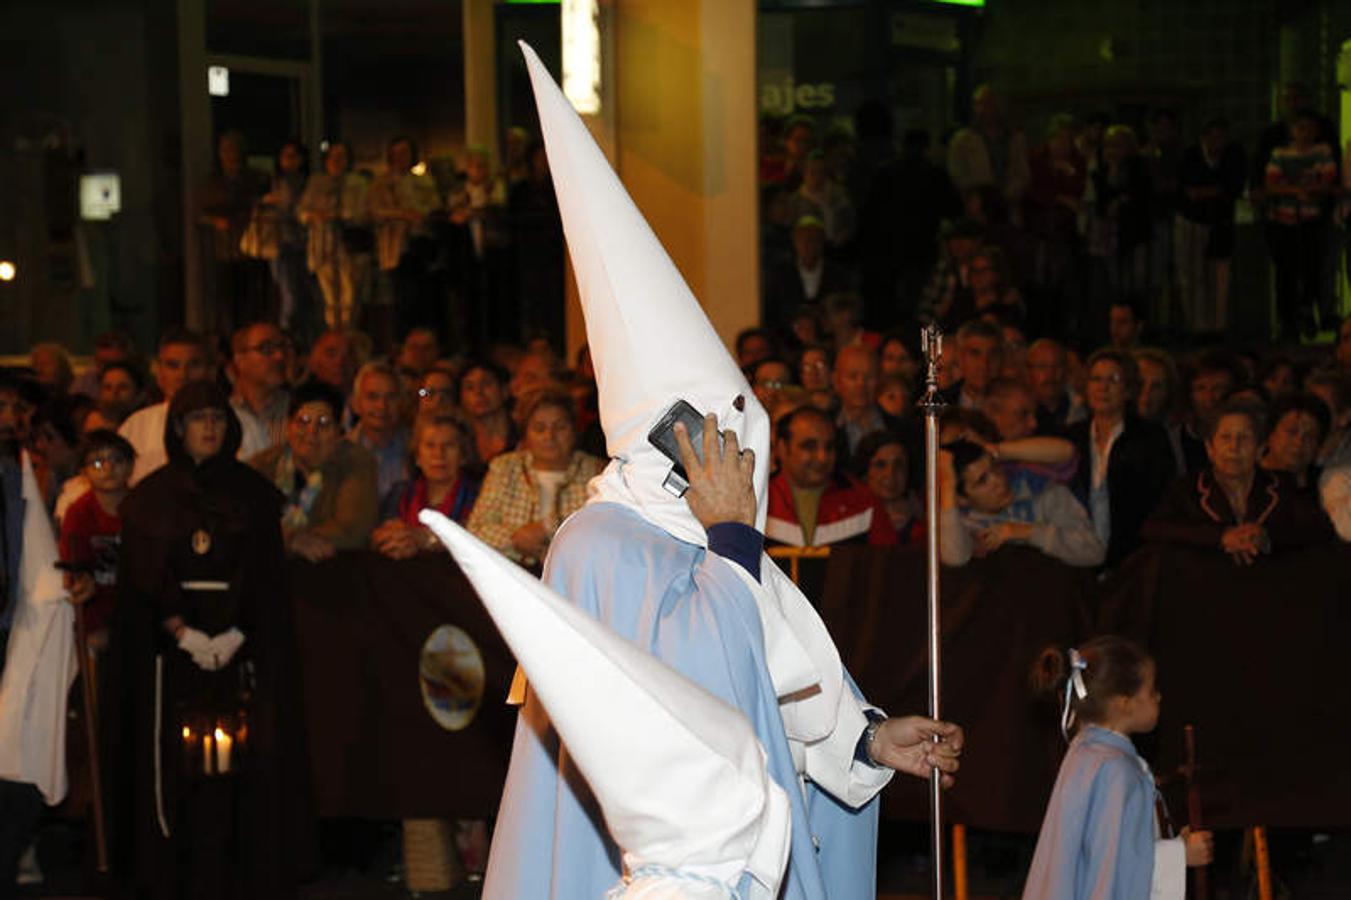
[680, 776]
[652, 344]
[650, 341]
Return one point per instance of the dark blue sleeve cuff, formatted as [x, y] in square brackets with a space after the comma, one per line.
[739, 543]
[875, 718]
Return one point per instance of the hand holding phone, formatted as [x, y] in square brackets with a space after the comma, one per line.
[720, 474]
[662, 436]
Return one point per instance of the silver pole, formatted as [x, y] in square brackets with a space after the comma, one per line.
[931, 339]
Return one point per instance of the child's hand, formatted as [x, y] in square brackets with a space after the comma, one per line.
[1200, 847]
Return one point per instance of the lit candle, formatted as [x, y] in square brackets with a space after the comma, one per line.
[207, 768]
[224, 743]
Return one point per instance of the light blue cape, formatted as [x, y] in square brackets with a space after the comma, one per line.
[1097, 840]
[691, 610]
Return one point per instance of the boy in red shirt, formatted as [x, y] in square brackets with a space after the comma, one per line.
[91, 530]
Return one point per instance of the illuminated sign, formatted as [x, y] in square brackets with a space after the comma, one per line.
[784, 96]
[100, 195]
[581, 55]
[218, 81]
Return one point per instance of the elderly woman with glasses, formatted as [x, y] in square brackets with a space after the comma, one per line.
[329, 483]
[1125, 462]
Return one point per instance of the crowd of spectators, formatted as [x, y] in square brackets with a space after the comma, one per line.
[1052, 261]
[357, 443]
[1081, 458]
[474, 255]
[1048, 230]
[1045, 264]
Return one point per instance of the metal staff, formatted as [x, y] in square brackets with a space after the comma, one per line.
[91, 735]
[1200, 878]
[931, 340]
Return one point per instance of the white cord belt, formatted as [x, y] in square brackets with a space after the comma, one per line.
[159, 713]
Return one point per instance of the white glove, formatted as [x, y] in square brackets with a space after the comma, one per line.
[225, 645]
[198, 646]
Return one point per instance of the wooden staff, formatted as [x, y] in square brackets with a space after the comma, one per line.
[931, 339]
[1200, 877]
[1262, 859]
[91, 735]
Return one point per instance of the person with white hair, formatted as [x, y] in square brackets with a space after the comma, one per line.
[377, 398]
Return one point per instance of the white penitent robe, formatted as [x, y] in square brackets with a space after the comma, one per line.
[692, 610]
[40, 662]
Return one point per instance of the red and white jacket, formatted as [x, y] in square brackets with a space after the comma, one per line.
[848, 514]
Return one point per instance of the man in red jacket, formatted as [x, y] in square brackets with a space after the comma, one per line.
[810, 505]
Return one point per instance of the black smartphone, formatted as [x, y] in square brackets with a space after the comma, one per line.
[76, 568]
[662, 435]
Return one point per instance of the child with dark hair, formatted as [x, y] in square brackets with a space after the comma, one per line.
[1101, 837]
[53, 439]
[91, 528]
[981, 510]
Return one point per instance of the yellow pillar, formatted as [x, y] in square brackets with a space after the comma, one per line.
[480, 75]
[678, 120]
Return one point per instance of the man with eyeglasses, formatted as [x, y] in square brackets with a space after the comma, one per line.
[377, 398]
[258, 359]
[181, 358]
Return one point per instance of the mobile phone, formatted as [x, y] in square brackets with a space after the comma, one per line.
[662, 436]
[75, 568]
